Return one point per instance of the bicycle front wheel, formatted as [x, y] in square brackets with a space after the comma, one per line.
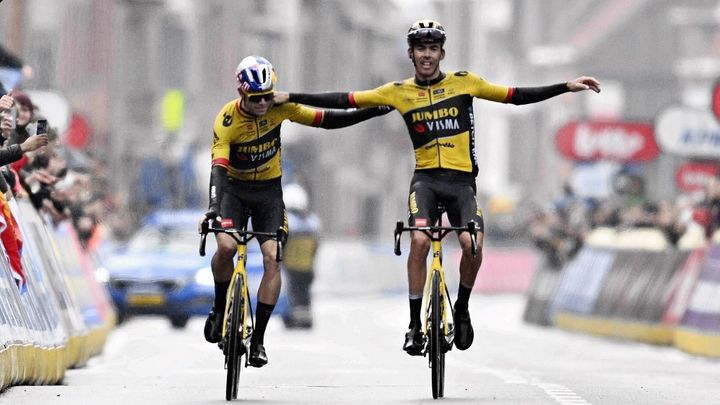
[234, 340]
[437, 354]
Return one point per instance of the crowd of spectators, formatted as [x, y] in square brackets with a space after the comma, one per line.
[41, 169]
[559, 232]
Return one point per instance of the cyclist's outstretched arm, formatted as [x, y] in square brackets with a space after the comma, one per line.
[528, 95]
[341, 119]
[323, 100]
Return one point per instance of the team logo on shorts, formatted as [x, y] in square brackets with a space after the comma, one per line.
[413, 204]
[227, 223]
[420, 221]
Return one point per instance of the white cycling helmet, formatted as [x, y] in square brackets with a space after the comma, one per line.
[295, 197]
[255, 75]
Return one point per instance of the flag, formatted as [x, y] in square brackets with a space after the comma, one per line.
[12, 241]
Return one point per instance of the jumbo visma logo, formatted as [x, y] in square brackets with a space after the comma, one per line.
[439, 119]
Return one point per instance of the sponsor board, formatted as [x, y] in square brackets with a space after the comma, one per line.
[607, 140]
[694, 176]
[688, 132]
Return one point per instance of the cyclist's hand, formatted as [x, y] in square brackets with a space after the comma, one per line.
[281, 97]
[211, 214]
[584, 83]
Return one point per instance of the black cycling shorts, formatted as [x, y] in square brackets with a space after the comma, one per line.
[454, 190]
[262, 200]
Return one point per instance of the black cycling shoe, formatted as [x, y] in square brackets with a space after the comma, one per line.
[414, 342]
[463, 330]
[258, 357]
[213, 326]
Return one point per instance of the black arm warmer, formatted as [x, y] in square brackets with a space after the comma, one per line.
[342, 119]
[218, 177]
[324, 100]
[527, 95]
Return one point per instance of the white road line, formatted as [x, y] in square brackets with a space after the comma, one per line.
[560, 393]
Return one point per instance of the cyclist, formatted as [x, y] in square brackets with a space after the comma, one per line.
[437, 109]
[246, 175]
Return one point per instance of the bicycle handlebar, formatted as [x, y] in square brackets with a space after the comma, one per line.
[278, 235]
[470, 228]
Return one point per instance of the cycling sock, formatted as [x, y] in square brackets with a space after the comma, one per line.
[262, 316]
[415, 306]
[461, 304]
[221, 295]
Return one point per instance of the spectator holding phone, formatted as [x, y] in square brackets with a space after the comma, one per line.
[10, 153]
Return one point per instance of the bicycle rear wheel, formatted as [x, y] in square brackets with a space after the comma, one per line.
[234, 340]
[437, 354]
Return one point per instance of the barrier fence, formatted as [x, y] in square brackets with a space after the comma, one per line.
[61, 317]
[632, 284]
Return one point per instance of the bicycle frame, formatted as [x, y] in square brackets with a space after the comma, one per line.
[242, 237]
[241, 271]
[436, 266]
[436, 234]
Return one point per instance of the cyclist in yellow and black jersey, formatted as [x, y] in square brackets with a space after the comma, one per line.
[437, 109]
[246, 176]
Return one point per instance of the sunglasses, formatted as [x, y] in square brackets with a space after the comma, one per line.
[257, 99]
[427, 33]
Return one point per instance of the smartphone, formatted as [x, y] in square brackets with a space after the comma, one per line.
[41, 127]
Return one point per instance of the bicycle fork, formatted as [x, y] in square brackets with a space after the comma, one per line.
[246, 331]
[436, 266]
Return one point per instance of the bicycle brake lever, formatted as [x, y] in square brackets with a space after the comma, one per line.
[203, 236]
[398, 232]
[473, 237]
[280, 237]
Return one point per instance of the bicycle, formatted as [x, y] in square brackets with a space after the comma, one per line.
[236, 333]
[438, 334]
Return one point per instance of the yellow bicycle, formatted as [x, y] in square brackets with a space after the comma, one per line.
[438, 333]
[236, 331]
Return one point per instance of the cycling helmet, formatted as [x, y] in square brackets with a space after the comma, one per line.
[295, 197]
[426, 30]
[255, 75]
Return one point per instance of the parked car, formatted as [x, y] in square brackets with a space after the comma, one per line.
[159, 271]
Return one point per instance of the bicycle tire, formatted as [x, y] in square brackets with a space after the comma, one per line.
[234, 340]
[437, 354]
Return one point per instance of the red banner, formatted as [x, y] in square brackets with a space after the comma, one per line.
[695, 176]
[600, 140]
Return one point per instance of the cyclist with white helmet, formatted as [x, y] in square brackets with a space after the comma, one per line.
[437, 109]
[246, 176]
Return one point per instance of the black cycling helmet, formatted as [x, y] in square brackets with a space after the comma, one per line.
[426, 31]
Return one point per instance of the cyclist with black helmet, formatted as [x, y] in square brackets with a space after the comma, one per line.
[437, 109]
[246, 175]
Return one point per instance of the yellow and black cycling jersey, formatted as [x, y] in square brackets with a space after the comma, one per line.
[439, 115]
[249, 146]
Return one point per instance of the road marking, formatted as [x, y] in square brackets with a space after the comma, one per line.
[560, 393]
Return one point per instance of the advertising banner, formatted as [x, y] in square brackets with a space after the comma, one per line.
[684, 131]
[626, 142]
[703, 312]
[694, 176]
[581, 281]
